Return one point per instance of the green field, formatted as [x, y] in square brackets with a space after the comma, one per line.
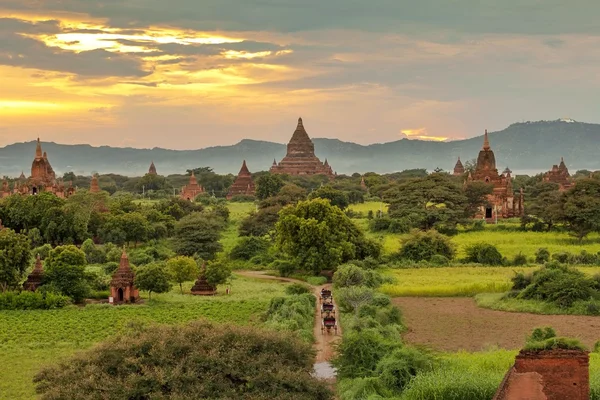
[455, 281]
[30, 339]
[238, 211]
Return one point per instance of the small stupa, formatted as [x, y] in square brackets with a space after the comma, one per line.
[122, 289]
[35, 278]
[94, 188]
[202, 287]
[243, 185]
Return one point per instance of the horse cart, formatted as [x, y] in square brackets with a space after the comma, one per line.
[329, 323]
[327, 308]
[326, 295]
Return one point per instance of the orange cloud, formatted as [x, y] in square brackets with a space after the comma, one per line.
[421, 134]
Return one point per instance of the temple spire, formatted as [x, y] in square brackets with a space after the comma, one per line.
[38, 149]
[486, 141]
[300, 125]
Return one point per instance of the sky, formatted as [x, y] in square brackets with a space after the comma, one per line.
[188, 74]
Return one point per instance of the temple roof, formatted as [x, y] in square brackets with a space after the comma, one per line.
[152, 169]
[300, 135]
[124, 275]
[38, 149]
[244, 170]
[486, 141]
[486, 159]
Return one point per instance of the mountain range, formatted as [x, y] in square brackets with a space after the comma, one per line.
[527, 147]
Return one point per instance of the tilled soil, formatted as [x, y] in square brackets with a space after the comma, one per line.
[452, 324]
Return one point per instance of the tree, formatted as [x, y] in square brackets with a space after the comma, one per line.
[336, 197]
[352, 298]
[320, 236]
[198, 234]
[182, 269]
[152, 182]
[544, 204]
[260, 223]
[201, 360]
[217, 273]
[152, 277]
[424, 245]
[15, 258]
[581, 208]
[65, 272]
[477, 195]
[268, 186]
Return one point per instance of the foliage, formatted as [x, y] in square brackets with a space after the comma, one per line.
[32, 301]
[397, 369]
[336, 197]
[198, 235]
[261, 222]
[297, 288]
[263, 364]
[581, 208]
[320, 236]
[268, 185]
[65, 272]
[546, 339]
[153, 278]
[293, 314]
[15, 257]
[182, 269]
[483, 253]
[351, 275]
[542, 255]
[520, 259]
[248, 247]
[352, 298]
[217, 273]
[424, 245]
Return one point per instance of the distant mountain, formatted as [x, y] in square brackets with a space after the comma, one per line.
[527, 147]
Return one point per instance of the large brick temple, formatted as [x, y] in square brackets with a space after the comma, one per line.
[300, 158]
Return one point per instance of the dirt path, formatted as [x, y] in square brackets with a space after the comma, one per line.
[452, 324]
[324, 343]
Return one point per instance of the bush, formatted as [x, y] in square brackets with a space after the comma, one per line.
[351, 275]
[483, 253]
[399, 226]
[360, 352]
[199, 360]
[542, 256]
[562, 258]
[294, 314]
[284, 267]
[297, 288]
[242, 199]
[424, 245]
[520, 259]
[32, 301]
[521, 281]
[398, 368]
[248, 247]
[439, 260]
[380, 224]
[316, 280]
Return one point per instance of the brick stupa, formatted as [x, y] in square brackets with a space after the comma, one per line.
[122, 289]
[152, 169]
[94, 188]
[192, 189]
[202, 287]
[35, 278]
[300, 158]
[459, 169]
[243, 185]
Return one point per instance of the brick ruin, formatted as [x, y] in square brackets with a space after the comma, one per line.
[122, 288]
[559, 174]
[192, 189]
[300, 158]
[547, 375]
[201, 286]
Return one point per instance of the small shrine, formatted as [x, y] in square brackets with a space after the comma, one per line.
[243, 185]
[459, 169]
[152, 169]
[202, 287]
[94, 188]
[192, 189]
[122, 289]
[35, 278]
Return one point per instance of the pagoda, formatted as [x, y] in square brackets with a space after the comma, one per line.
[243, 185]
[94, 188]
[192, 189]
[152, 169]
[559, 174]
[202, 287]
[35, 278]
[459, 169]
[122, 289]
[501, 203]
[300, 158]
[5, 189]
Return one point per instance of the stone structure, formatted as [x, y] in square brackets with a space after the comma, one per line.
[35, 278]
[152, 169]
[5, 189]
[243, 185]
[192, 189]
[547, 375]
[363, 185]
[122, 289]
[502, 203]
[300, 158]
[559, 174]
[94, 188]
[459, 169]
[201, 287]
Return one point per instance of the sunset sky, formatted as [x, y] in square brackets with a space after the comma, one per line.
[186, 74]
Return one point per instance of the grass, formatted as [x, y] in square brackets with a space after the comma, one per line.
[496, 301]
[31, 339]
[237, 212]
[455, 281]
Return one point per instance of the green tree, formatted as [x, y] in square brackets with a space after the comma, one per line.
[182, 269]
[152, 277]
[423, 245]
[65, 272]
[477, 195]
[544, 204]
[336, 197]
[15, 258]
[152, 182]
[581, 208]
[217, 273]
[198, 234]
[268, 186]
[320, 236]
[136, 227]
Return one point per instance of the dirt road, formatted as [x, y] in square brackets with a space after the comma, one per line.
[452, 324]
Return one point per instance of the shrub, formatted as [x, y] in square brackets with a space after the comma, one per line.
[248, 247]
[380, 224]
[424, 245]
[294, 314]
[360, 352]
[32, 301]
[398, 368]
[284, 267]
[521, 281]
[297, 288]
[242, 199]
[542, 255]
[43, 251]
[399, 226]
[351, 275]
[316, 280]
[199, 360]
[439, 260]
[520, 259]
[561, 257]
[483, 253]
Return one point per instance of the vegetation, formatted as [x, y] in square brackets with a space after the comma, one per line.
[14, 258]
[546, 339]
[182, 269]
[293, 313]
[423, 246]
[246, 363]
[153, 278]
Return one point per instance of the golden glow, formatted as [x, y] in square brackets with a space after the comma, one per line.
[19, 104]
[421, 134]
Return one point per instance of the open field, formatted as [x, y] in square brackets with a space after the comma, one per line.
[453, 324]
[30, 339]
[455, 281]
[238, 211]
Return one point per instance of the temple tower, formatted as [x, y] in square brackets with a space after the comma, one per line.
[152, 169]
[122, 289]
[94, 188]
[243, 185]
[459, 169]
[192, 189]
[35, 278]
